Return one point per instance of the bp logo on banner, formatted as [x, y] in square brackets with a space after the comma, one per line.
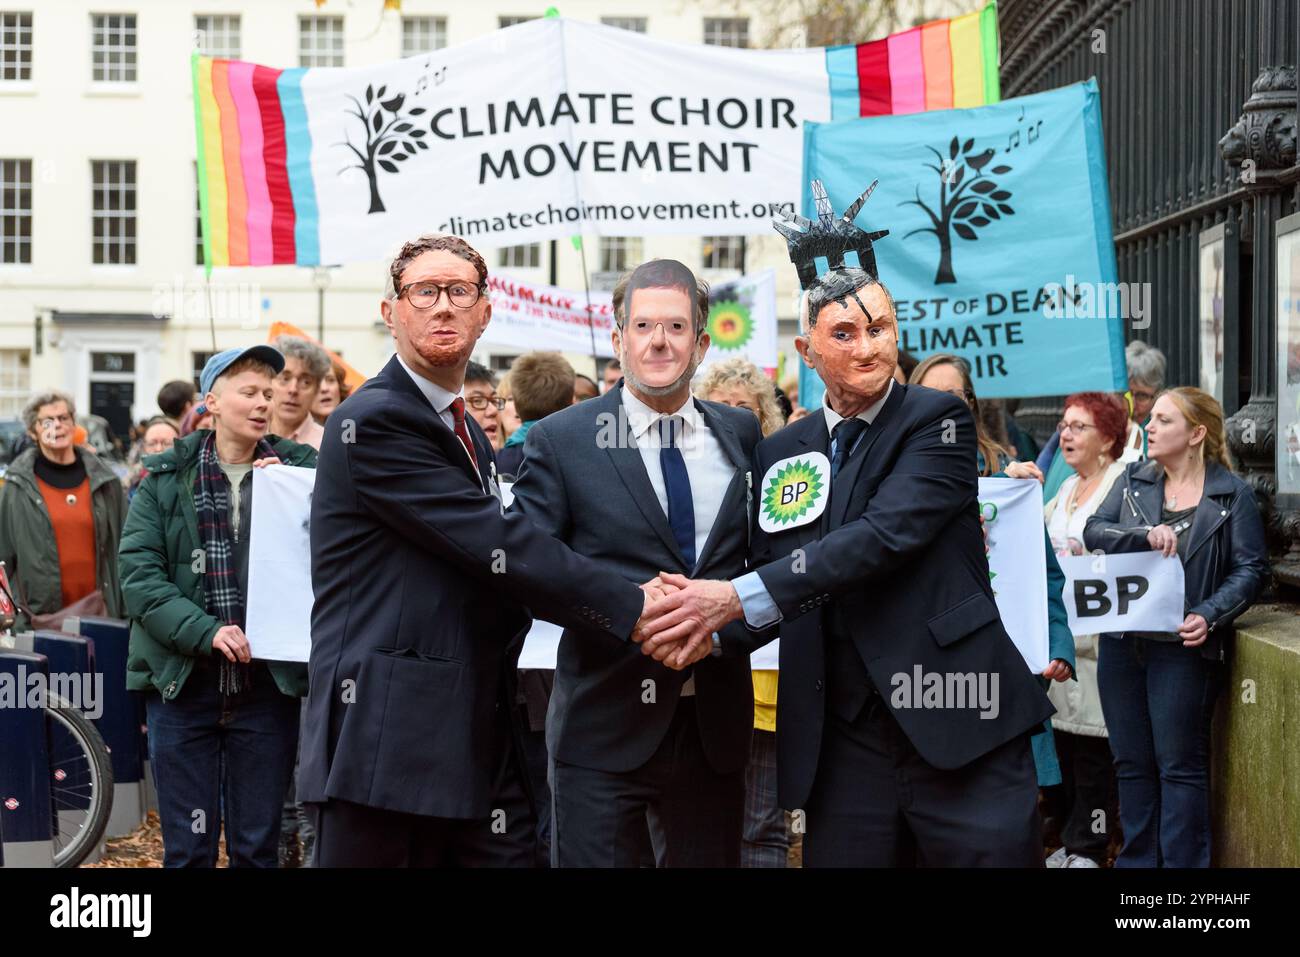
[794, 492]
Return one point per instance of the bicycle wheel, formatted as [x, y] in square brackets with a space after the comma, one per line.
[81, 782]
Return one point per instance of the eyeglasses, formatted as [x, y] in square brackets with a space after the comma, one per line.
[1078, 428]
[481, 402]
[425, 295]
[50, 421]
[1142, 396]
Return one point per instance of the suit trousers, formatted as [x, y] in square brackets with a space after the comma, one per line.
[354, 835]
[694, 813]
[877, 803]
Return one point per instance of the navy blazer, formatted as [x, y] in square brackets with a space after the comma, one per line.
[584, 481]
[898, 558]
[423, 589]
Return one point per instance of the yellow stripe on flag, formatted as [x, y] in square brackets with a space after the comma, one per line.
[967, 60]
[218, 215]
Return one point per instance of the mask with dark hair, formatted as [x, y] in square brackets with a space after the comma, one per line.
[840, 285]
[664, 274]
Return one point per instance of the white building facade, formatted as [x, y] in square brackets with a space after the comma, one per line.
[102, 289]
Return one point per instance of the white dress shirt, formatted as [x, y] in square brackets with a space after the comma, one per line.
[760, 610]
[707, 466]
[439, 398]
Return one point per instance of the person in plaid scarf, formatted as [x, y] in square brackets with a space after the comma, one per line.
[223, 727]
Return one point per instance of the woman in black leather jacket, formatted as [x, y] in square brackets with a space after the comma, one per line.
[1158, 690]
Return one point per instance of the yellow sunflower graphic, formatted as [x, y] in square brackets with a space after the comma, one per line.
[730, 326]
[792, 492]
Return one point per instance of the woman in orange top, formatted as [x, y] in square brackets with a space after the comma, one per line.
[61, 516]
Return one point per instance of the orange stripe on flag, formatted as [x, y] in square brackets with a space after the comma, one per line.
[937, 58]
[237, 196]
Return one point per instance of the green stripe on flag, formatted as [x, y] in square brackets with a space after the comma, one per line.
[201, 167]
[991, 53]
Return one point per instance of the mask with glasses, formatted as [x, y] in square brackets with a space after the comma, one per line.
[425, 295]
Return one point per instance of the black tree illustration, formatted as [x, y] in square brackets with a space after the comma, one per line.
[959, 211]
[391, 138]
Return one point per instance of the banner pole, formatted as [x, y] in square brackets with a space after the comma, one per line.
[586, 291]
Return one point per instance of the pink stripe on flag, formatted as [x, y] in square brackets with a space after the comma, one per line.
[906, 72]
[260, 250]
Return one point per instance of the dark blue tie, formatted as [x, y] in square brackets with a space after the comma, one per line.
[677, 483]
[843, 438]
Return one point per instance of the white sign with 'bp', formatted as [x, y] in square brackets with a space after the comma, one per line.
[1140, 591]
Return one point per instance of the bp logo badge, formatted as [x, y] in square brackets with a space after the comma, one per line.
[730, 325]
[794, 492]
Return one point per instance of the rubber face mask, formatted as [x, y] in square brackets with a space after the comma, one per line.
[853, 345]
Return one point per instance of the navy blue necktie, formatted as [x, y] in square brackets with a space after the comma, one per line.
[844, 437]
[677, 483]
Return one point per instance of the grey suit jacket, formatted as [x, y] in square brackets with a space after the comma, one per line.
[584, 481]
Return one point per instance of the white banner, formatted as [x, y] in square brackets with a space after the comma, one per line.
[1013, 515]
[528, 316]
[627, 135]
[1138, 591]
[277, 614]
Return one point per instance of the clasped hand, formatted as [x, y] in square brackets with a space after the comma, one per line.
[680, 616]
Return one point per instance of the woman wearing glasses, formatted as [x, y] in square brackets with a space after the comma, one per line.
[1158, 690]
[61, 516]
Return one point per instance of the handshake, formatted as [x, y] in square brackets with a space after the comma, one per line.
[680, 616]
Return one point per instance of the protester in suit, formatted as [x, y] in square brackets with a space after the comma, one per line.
[542, 383]
[643, 479]
[872, 560]
[1158, 690]
[422, 595]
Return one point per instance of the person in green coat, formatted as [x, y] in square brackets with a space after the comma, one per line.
[223, 726]
[61, 514]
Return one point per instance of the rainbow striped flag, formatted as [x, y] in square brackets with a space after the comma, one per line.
[256, 194]
[942, 65]
[332, 165]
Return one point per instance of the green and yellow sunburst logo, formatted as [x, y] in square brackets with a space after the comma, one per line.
[730, 325]
[792, 492]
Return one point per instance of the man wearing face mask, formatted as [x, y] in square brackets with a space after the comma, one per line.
[869, 554]
[642, 479]
[423, 594]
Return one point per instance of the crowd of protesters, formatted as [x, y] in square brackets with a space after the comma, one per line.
[1124, 762]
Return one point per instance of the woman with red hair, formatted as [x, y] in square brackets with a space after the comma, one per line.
[1093, 433]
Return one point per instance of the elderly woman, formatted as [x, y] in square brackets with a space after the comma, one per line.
[223, 727]
[1146, 377]
[61, 515]
[1158, 690]
[765, 842]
